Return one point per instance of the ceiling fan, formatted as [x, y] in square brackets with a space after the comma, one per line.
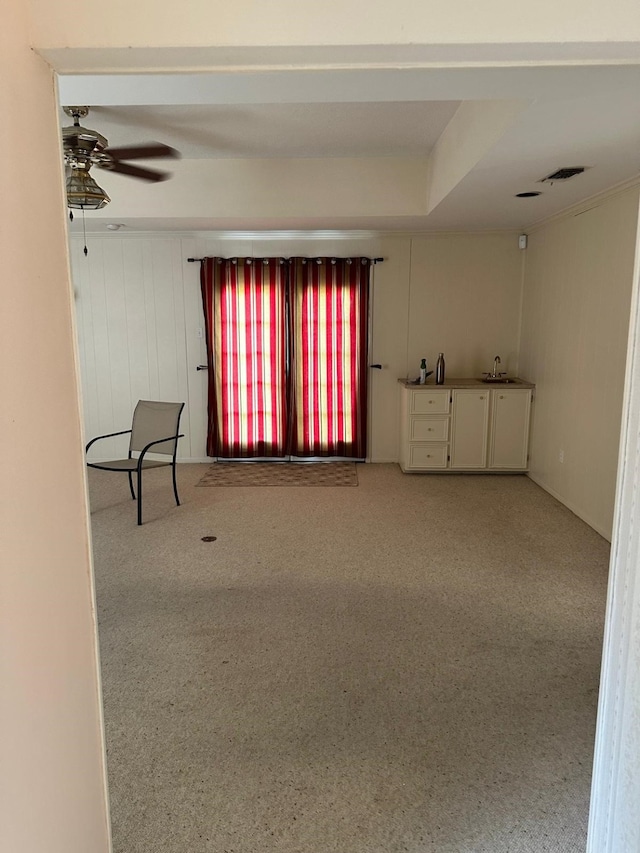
[84, 148]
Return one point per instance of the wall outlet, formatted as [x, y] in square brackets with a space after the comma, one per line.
[561, 456]
[199, 333]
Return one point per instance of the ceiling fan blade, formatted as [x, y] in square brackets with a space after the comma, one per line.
[136, 171]
[139, 152]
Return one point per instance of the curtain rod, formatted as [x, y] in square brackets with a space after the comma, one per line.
[373, 260]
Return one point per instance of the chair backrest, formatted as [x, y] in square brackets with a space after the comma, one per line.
[153, 420]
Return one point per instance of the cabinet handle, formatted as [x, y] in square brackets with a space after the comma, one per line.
[429, 429]
[482, 398]
[502, 396]
[430, 402]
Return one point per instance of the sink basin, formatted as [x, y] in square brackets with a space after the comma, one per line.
[500, 380]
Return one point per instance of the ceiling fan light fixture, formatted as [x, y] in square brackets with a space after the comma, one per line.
[83, 193]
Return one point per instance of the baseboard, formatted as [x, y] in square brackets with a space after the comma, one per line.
[605, 534]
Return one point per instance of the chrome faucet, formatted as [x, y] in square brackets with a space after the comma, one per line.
[495, 376]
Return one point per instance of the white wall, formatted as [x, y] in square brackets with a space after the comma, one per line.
[465, 301]
[139, 312]
[67, 25]
[130, 309]
[577, 293]
[51, 751]
[615, 789]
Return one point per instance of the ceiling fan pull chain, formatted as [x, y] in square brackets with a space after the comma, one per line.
[84, 234]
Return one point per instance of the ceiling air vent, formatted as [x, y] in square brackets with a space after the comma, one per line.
[563, 174]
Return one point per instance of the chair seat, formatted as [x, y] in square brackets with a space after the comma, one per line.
[127, 464]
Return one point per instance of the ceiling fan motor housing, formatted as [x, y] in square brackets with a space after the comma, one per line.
[84, 148]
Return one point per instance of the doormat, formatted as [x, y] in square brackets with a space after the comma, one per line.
[280, 474]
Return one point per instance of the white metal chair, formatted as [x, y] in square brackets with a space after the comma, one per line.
[154, 429]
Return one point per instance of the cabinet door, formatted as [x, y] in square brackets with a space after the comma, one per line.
[509, 442]
[470, 419]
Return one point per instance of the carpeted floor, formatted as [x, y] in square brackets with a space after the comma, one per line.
[280, 474]
[411, 665]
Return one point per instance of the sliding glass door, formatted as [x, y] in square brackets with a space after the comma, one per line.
[287, 357]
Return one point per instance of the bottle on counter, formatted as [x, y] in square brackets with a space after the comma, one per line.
[423, 371]
[440, 369]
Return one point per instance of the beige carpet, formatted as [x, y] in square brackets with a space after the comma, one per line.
[411, 665]
[280, 474]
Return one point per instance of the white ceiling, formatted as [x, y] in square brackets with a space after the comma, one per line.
[571, 116]
[405, 129]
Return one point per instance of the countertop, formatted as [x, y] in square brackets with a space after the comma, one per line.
[430, 384]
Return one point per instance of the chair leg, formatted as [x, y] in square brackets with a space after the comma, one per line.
[139, 496]
[175, 486]
[133, 494]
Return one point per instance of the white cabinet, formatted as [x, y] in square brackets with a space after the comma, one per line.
[469, 427]
[425, 456]
[510, 417]
[431, 402]
[424, 424]
[429, 429]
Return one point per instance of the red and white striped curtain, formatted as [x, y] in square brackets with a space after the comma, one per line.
[329, 322]
[244, 308]
[287, 356]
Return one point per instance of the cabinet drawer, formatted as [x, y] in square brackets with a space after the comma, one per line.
[428, 429]
[428, 456]
[430, 402]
